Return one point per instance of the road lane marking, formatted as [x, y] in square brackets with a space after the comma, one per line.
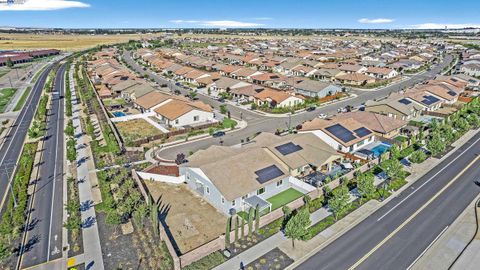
[428, 181]
[426, 249]
[366, 256]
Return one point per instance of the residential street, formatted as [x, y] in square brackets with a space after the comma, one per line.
[259, 123]
[13, 143]
[396, 234]
[46, 219]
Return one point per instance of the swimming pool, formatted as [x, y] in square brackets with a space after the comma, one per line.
[118, 114]
[380, 149]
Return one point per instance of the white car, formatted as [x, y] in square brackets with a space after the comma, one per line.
[322, 116]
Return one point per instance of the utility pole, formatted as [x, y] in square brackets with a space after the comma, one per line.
[5, 169]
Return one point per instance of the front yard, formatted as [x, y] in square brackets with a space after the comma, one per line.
[136, 129]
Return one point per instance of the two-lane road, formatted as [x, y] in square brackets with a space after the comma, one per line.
[396, 234]
[47, 207]
[13, 143]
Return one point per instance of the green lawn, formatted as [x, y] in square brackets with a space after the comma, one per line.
[114, 102]
[22, 99]
[229, 123]
[6, 95]
[401, 138]
[284, 198]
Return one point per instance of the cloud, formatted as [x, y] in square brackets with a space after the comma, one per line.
[262, 19]
[375, 21]
[221, 24]
[43, 5]
[443, 25]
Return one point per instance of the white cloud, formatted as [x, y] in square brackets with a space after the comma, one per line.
[44, 5]
[225, 23]
[375, 21]
[443, 25]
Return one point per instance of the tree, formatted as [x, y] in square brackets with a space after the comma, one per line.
[436, 144]
[223, 109]
[257, 218]
[307, 199]
[250, 221]
[242, 228]
[227, 231]
[113, 218]
[297, 226]
[340, 201]
[236, 228]
[365, 185]
[393, 168]
[9, 63]
[418, 156]
[395, 151]
[154, 216]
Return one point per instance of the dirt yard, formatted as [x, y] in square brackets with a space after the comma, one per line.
[136, 129]
[192, 220]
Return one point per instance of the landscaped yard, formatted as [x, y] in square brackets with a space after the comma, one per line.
[136, 129]
[192, 221]
[284, 197]
[401, 138]
[114, 102]
[6, 95]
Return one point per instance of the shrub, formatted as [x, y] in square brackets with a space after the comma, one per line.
[418, 156]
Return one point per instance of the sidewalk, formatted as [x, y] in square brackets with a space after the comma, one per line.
[91, 239]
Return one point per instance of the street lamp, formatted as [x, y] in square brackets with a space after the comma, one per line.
[5, 169]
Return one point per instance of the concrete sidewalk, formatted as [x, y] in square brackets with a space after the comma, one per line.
[91, 239]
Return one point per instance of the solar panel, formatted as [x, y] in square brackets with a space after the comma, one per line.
[452, 93]
[268, 173]
[288, 148]
[341, 132]
[405, 101]
[429, 100]
[361, 132]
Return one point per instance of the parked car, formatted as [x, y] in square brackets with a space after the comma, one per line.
[311, 109]
[218, 134]
[322, 116]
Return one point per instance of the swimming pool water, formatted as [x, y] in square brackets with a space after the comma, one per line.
[380, 149]
[118, 114]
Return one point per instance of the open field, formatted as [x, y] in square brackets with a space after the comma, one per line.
[5, 97]
[192, 220]
[136, 129]
[61, 42]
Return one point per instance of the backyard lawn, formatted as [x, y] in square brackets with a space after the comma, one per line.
[6, 95]
[114, 102]
[136, 129]
[284, 197]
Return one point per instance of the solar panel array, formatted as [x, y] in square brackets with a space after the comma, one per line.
[361, 132]
[341, 132]
[288, 148]
[452, 93]
[405, 101]
[266, 174]
[429, 100]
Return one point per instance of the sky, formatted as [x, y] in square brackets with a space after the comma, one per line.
[363, 14]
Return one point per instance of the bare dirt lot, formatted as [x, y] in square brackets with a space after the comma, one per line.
[192, 221]
[136, 129]
[65, 42]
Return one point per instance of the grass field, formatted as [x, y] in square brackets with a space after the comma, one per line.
[6, 95]
[22, 99]
[62, 42]
[136, 129]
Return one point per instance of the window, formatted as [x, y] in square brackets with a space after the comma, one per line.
[244, 197]
[340, 147]
[223, 200]
[196, 118]
[233, 203]
[279, 183]
[207, 189]
[176, 121]
[188, 176]
[261, 191]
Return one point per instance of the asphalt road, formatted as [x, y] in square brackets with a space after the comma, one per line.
[46, 218]
[12, 146]
[396, 234]
[261, 123]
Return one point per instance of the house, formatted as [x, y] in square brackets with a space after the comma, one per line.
[381, 73]
[471, 69]
[136, 91]
[237, 179]
[424, 98]
[324, 74]
[356, 79]
[122, 86]
[150, 101]
[277, 99]
[311, 88]
[269, 80]
[246, 93]
[225, 84]
[178, 113]
[345, 135]
[395, 106]
[349, 69]
[381, 125]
